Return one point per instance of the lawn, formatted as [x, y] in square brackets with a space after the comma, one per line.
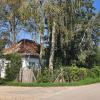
[80, 83]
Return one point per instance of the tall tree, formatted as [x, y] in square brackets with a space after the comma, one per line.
[35, 9]
[11, 15]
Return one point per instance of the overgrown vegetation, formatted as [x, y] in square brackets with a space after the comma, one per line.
[13, 68]
[70, 46]
[68, 74]
[97, 57]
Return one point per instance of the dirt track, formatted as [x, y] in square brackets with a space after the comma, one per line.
[89, 92]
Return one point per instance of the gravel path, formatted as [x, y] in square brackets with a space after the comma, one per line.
[89, 92]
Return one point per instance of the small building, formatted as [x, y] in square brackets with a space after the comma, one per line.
[3, 64]
[29, 52]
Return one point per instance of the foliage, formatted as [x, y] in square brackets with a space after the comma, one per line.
[73, 38]
[75, 74]
[97, 57]
[68, 74]
[94, 72]
[2, 81]
[80, 47]
[13, 68]
[10, 17]
[45, 76]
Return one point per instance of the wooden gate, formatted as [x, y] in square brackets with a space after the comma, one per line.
[26, 75]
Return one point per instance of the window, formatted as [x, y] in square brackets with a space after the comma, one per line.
[31, 64]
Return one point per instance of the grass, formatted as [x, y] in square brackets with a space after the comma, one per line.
[82, 82]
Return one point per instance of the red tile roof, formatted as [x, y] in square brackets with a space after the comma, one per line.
[23, 47]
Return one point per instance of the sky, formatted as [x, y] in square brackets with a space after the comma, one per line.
[97, 5]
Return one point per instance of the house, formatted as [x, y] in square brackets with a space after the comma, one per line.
[3, 64]
[29, 52]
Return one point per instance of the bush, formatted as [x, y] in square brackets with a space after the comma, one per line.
[83, 73]
[68, 74]
[74, 73]
[45, 76]
[64, 74]
[71, 74]
[2, 81]
[12, 69]
[94, 72]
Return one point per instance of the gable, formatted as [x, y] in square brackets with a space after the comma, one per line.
[23, 47]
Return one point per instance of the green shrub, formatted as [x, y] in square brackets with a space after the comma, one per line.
[12, 69]
[2, 81]
[83, 73]
[45, 76]
[70, 74]
[96, 72]
[74, 73]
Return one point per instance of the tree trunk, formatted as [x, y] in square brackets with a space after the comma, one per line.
[13, 27]
[14, 38]
[51, 59]
[41, 48]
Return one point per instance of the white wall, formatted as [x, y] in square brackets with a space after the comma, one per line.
[3, 64]
[25, 62]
